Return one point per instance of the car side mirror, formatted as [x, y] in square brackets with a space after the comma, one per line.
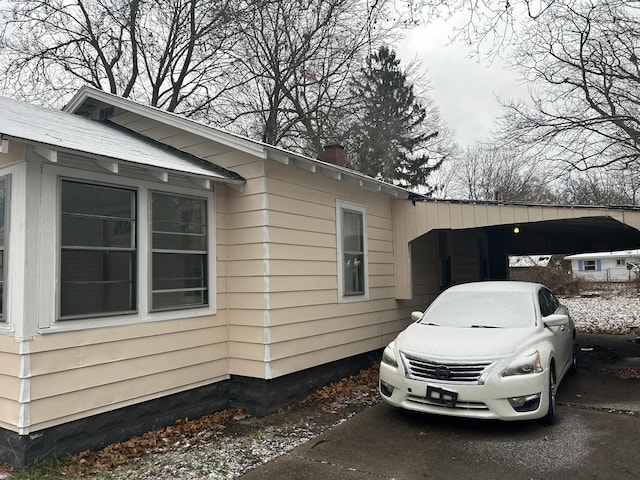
[556, 320]
[416, 316]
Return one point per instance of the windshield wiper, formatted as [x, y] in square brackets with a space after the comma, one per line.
[483, 326]
[431, 324]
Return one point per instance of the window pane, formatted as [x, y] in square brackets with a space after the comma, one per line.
[3, 202]
[353, 274]
[2, 285]
[96, 200]
[166, 300]
[179, 231]
[95, 215]
[179, 242]
[3, 188]
[99, 277]
[96, 231]
[96, 282]
[352, 231]
[178, 271]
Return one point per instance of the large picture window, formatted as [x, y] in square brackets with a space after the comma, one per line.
[98, 250]
[180, 252]
[352, 252]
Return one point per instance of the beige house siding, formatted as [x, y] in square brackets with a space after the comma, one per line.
[10, 382]
[307, 324]
[282, 263]
[15, 153]
[82, 373]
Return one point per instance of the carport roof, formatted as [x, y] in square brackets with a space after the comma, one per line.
[573, 235]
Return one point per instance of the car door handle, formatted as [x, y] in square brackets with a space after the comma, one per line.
[562, 328]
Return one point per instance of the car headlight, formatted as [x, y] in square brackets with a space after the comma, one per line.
[389, 357]
[524, 365]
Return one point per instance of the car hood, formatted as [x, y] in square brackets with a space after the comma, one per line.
[463, 342]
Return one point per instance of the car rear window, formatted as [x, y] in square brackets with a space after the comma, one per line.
[482, 310]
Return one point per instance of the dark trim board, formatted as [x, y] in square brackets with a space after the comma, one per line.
[263, 397]
[98, 431]
[256, 396]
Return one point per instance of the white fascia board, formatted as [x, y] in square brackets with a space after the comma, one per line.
[239, 143]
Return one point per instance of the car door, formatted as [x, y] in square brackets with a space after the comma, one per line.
[562, 335]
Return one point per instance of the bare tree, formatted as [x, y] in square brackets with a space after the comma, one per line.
[598, 187]
[491, 173]
[298, 57]
[586, 110]
[168, 53]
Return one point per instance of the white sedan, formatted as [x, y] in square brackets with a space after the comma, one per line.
[494, 350]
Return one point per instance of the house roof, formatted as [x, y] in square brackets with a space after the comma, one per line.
[619, 254]
[87, 99]
[73, 134]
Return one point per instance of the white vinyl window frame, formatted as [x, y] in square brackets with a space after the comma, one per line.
[98, 250]
[353, 256]
[50, 298]
[179, 251]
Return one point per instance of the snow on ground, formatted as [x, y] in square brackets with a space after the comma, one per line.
[609, 312]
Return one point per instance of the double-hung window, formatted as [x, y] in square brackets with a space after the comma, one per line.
[98, 250]
[179, 250]
[352, 252]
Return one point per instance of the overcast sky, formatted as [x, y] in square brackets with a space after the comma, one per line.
[464, 89]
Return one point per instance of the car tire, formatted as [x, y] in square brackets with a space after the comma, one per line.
[550, 417]
[573, 369]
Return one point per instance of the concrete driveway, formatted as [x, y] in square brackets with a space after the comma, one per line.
[597, 435]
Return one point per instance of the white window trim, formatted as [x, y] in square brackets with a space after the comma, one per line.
[340, 206]
[208, 206]
[52, 178]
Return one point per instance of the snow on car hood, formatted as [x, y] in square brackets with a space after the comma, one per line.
[452, 342]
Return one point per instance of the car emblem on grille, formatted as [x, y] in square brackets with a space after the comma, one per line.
[442, 372]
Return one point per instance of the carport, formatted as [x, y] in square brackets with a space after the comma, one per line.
[443, 242]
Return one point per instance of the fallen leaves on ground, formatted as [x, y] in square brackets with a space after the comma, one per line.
[186, 433]
[5, 470]
[626, 373]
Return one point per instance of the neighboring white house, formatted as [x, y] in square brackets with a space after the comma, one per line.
[606, 266]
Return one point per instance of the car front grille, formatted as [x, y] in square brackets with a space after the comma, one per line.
[461, 405]
[421, 368]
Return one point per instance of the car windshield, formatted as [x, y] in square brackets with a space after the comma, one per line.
[482, 310]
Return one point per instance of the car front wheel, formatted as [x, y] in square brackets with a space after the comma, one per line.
[574, 359]
[550, 417]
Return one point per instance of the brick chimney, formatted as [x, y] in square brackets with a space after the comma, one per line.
[334, 154]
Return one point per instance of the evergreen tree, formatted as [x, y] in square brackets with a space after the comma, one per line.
[390, 141]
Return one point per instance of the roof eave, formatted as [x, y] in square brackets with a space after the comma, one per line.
[245, 145]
